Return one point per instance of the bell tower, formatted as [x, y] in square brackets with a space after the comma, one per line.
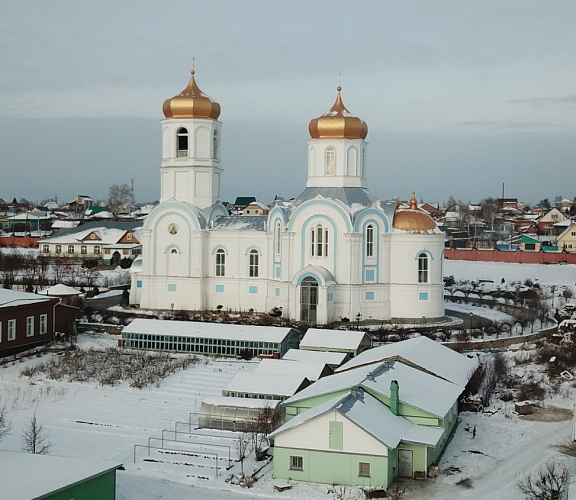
[337, 149]
[191, 132]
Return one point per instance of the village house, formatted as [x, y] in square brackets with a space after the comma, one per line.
[108, 243]
[28, 320]
[567, 239]
[387, 413]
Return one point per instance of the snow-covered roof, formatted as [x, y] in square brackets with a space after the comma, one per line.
[62, 223]
[209, 330]
[349, 340]
[273, 384]
[12, 298]
[372, 416]
[423, 353]
[347, 195]
[107, 235]
[310, 369]
[60, 290]
[417, 388]
[259, 205]
[240, 402]
[26, 475]
[241, 223]
[327, 357]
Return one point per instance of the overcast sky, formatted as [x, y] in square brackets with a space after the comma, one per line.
[459, 96]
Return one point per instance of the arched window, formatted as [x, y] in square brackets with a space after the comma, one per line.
[182, 137]
[253, 265]
[319, 241]
[422, 268]
[58, 249]
[278, 243]
[216, 145]
[370, 241]
[330, 161]
[220, 263]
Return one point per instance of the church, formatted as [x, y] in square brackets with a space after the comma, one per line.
[333, 252]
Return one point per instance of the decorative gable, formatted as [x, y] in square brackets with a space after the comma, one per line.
[92, 236]
[128, 237]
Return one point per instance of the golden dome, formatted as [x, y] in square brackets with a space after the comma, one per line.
[191, 103]
[338, 123]
[412, 219]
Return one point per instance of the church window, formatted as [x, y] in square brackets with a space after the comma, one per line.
[330, 161]
[220, 263]
[319, 241]
[278, 238]
[182, 137]
[216, 145]
[422, 268]
[370, 241]
[254, 261]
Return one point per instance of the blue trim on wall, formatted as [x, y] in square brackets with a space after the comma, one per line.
[139, 284]
[374, 213]
[250, 248]
[219, 288]
[369, 295]
[156, 231]
[171, 287]
[307, 274]
[423, 296]
[331, 204]
[426, 251]
[219, 247]
[305, 254]
[376, 257]
[252, 289]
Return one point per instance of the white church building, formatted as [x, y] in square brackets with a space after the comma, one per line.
[332, 252]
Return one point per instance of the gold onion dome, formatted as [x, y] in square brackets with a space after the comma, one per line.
[191, 103]
[338, 123]
[412, 219]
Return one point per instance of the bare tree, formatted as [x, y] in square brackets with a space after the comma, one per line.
[5, 424]
[266, 421]
[35, 438]
[120, 196]
[241, 447]
[547, 482]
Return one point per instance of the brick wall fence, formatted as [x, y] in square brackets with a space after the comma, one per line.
[511, 256]
[19, 241]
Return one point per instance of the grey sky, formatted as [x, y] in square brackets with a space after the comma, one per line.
[459, 96]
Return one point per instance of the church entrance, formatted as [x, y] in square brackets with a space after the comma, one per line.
[308, 300]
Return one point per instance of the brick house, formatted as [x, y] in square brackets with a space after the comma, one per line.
[28, 320]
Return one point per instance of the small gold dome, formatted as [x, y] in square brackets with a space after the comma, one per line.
[338, 123]
[191, 103]
[412, 219]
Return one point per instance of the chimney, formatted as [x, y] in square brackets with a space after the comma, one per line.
[394, 398]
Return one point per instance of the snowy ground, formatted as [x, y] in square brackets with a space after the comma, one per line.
[495, 271]
[91, 421]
